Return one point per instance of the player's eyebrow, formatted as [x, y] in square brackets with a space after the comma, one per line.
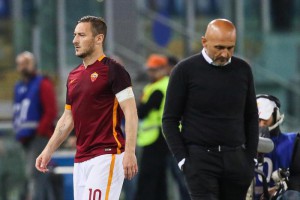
[79, 33]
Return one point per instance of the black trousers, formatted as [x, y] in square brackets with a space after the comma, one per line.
[178, 178]
[152, 183]
[218, 175]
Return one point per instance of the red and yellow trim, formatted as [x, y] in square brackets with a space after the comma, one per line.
[68, 107]
[101, 57]
[114, 122]
[110, 176]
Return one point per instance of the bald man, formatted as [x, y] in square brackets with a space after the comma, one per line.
[212, 96]
[34, 116]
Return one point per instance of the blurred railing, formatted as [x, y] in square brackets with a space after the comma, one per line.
[11, 164]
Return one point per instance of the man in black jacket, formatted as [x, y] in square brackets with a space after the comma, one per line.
[212, 96]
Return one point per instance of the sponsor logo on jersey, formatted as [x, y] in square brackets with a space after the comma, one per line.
[94, 76]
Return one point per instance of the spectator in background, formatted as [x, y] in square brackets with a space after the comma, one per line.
[172, 61]
[152, 176]
[35, 111]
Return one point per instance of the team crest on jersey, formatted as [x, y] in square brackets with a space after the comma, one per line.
[94, 76]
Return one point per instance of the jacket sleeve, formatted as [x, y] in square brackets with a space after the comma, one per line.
[173, 111]
[251, 119]
[49, 107]
[153, 103]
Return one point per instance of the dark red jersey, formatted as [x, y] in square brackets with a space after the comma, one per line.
[95, 109]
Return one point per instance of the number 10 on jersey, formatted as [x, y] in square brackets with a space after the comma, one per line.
[94, 195]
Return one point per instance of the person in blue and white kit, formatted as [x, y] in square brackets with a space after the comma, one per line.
[286, 152]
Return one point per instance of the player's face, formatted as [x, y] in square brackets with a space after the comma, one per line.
[219, 49]
[266, 123]
[84, 41]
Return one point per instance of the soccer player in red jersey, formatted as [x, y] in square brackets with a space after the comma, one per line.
[99, 94]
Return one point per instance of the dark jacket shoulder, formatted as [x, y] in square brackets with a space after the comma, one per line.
[240, 62]
[192, 60]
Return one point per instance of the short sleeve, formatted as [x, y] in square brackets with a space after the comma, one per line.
[119, 78]
[68, 101]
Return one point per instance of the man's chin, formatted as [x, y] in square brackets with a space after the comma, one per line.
[220, 64]
[80, 55]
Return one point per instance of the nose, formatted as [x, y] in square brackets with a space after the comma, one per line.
[75, 40]
[225, 53]
[262, 123]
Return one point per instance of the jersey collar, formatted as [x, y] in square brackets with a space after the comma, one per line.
[101, 57]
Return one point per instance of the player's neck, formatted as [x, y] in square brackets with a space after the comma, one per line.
[88, 60]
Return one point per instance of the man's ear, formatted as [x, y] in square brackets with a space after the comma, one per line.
[99, 38]
[204, 40]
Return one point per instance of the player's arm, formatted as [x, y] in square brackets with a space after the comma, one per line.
[122, 88]
[131, 123]
[63, 128]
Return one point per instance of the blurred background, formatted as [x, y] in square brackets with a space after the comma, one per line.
[268, 37]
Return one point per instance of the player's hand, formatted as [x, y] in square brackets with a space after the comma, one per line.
[42, 161]
[130, 165]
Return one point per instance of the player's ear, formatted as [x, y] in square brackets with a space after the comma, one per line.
[99, 38]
